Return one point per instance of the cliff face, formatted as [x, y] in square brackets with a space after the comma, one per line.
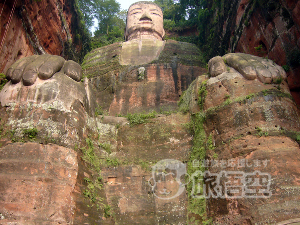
[264, 28]
[105, 161]
[38, 27]
[127, 88]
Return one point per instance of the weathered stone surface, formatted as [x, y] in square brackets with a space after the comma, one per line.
[39, 27]
[270, 155]
[31, 70]
[252, 67]
[216, 66]
[121, 90]
[250, 104]
[44, 67]
[266, 28]
[73, 70]
[37, 182]
[140, 51]
[51, 66]
[144, 21]
[15, 73]
[255, 122]
[165, 137]
[129, 193]
[115, 120]
[60, 90]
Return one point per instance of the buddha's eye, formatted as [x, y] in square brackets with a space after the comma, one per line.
[135, 13]
[155, 14]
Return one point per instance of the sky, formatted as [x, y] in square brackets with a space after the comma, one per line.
[126, 3]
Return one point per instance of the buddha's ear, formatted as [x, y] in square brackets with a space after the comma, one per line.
[163, 33]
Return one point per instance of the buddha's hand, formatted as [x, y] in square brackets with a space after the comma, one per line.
[250, 66]
[30, 68]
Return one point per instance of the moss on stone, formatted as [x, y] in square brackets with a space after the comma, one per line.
[202, 94]
[139, 118]
[181, 52]
[245, 99]
[197, 206]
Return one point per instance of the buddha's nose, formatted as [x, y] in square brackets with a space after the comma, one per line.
[145, 17]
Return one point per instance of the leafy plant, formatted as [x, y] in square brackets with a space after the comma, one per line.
[260, 132]
[258, 48]
[139, 118]
[286, 68]
[278, 80]
[89, 155]
[91, 192]
[99, 111]
[111, 161]
[30, 133]
[3, 80]
[107, 211]
[250, 96]
[106, 147]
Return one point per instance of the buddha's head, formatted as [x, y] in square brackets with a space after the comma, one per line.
[144, 21]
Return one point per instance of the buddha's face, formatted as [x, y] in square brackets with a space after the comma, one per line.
[144, 20]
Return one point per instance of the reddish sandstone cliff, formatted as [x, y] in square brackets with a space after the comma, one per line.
[265, 28]
[38, 27]
[273, 31]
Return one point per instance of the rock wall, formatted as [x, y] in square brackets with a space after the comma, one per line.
[245, 130]
[154, 85]
[38, 27]
[264, 28]
[109, 179]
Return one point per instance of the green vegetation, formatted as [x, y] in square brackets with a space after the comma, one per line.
[175, 15]
[95, 183]
[258, 48]
[201, 143]
[243, 99]
[139, 118]
[106, 147]
[202, 94]
[90, 157]
[278, 80]
[99, 111]
[111, 20]
[197, 206]
[183, 102]
[3, 80]
[250, 96]
[113, 36]
[185, 99]
[107, 212]
[12, 135]
[260, 132]
[167, 112]
[286, 68]
[111, 162]
[30, 133]
[91, 192]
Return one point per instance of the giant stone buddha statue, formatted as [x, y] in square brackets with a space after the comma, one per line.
[246, 98]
